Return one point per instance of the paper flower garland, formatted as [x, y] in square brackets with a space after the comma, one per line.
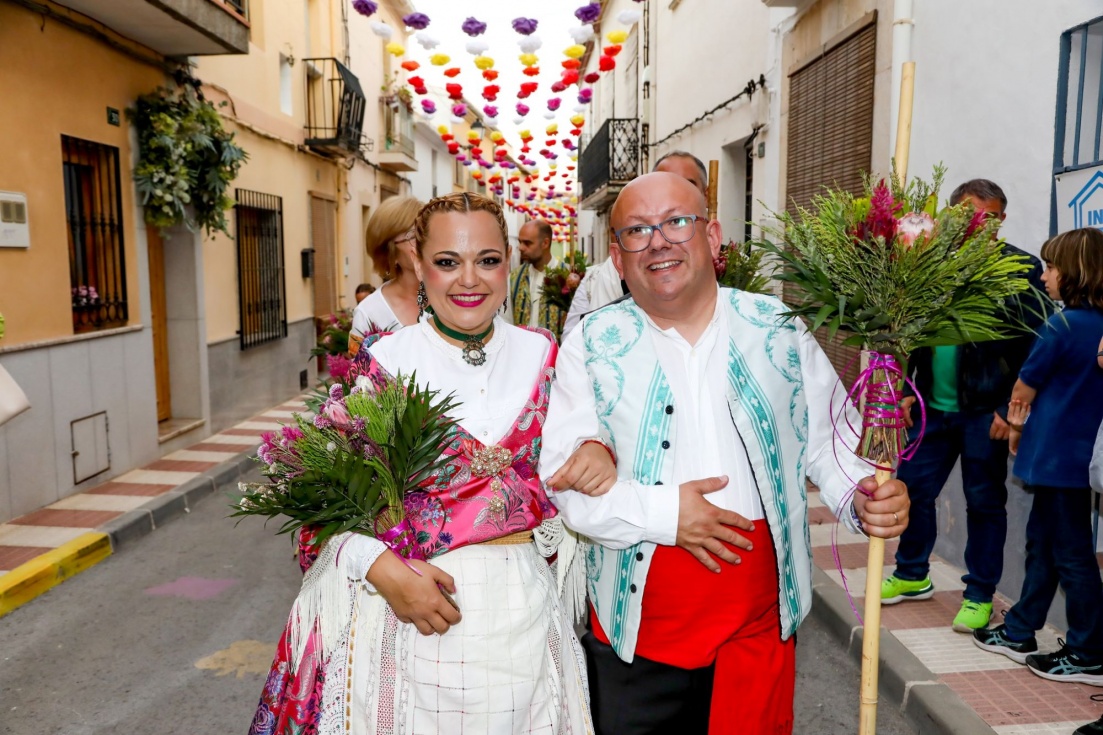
[439, 59]
[484, 62]
[553, 103]
[629, 17]
[606, 63]
[581, 34]
[522, 109]
[490, 75]
[530, 44]
[525, 26]
[428, 106]
[490, 92]
[528, 59]
[382, 30]
[476, 48]
[617, 36]
[459, 109]
[532, 71]
[411, 65]
[455, 91]
[395, 48]
[417, 21]
[591, 78]
[452, 72]
[473, 27]
[575, 52]
[365, 7]
[588, 13]
[427, 40]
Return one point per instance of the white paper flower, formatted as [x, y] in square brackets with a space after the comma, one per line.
[629, 17]
[549, 115]
[580, 107]
[476, 47]
[427, 40]
[457, 120]
[519, 120]
[581, 34]
[382, 30]
[530, 44]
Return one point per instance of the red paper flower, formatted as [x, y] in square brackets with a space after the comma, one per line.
[410, 65]
[591, 78]
[490, 92]
[421, 90]
[416, 82]
[576, 132]
[611, 50]
[606, 63]
[549, 142]
[558, 87]
[569, 77]
[490, 75]
[452, 72]
[476, 152]
[453, 147]
[572, 64]
[455, 91]
[531, 71]
[447, 137]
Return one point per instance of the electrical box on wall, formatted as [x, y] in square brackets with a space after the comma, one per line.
[15, 231]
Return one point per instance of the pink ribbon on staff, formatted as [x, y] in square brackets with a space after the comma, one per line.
[400, 539]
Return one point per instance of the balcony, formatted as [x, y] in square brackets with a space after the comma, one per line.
[609, 161]
[174, 27]
[334, 107]
[398, 153]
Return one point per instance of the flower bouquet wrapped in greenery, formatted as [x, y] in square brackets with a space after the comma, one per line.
[334, 338]
[738, 266]
[561, 282]
[349, 468]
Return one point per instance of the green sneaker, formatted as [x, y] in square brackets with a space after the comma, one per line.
[894, 590]
[972, 616]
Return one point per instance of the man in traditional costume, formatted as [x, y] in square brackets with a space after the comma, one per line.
[718, 408]
[526, 282]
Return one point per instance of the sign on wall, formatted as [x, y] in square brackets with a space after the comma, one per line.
[1080, 199]
[14, 229]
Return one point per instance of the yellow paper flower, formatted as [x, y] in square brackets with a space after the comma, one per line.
[395, 48]
[528, 59]
[484, 62]
[553, 129]
[472, 135]
[496, 136]
[575, 52]
[439, 59]
[524, 134]
[577, 120]
[617, 36]
[552, 165]
[443, 129]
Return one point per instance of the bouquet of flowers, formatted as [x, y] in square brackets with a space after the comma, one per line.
[896, 272]
[85, 296]
[561, 282]
[349, 468]
[334, 338]
[737, 266]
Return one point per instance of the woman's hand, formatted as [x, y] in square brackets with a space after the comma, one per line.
[1017, 414]
[590, 471]
[415, 599]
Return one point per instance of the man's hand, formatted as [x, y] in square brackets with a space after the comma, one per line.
[590, 471]
[415, 599]
[884, 513]
[906, 407]
[1000, 429]
[702, 526]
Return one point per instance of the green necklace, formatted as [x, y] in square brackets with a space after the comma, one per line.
[473, 352]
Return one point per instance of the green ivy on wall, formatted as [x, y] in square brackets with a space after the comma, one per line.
[187, 160]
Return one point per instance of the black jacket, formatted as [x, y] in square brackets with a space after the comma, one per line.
[986, 371]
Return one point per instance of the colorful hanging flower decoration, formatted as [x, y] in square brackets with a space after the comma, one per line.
[569, 77]
[453, 147]
[606, 63]
[630, 17]
[365, 8]
[476, 47]
[427, 40]
[612, 50]
[490, 75]
[490, 92]
[490, 111]
[411, 65]
[455, 91]
[484, 62]
[525, 26]
[585, 96]
[428, 106]
[452, 72]
[439, 59]
[581, 34]
[382, 30]
[530, 44]
[575, 52]
[591, 78]
[588, 13]
[577, 120]
[617, 36]
[417, 21]
[552, 129]
[531, 71]
[522, 109]
[459, 109]
[571, 64]
[394, 48]
[558, 87]
[473, 27]
[527, 88]
[528, 59]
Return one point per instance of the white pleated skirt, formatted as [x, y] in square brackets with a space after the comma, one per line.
[512, 666]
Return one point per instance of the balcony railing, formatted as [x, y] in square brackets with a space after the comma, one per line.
[334, 107]
[398, 152]
[172, 27]
[610, 160]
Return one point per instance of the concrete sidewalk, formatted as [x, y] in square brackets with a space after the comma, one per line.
[943, 682]
[43, 548]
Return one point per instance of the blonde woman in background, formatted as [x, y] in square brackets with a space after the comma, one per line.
[390, 245]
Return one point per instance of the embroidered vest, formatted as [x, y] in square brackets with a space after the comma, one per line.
[550, 317]
[635, 408]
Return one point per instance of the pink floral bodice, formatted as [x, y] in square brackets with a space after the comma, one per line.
[482, 492]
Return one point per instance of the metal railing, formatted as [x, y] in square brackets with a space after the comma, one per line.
[612, 156]
[399, 127]
[94, 215]
[335, 106]
[262, 298]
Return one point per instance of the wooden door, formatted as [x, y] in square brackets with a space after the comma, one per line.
[323, 225]
[159, 324]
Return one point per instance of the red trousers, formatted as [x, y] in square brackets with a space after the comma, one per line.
[693, 618]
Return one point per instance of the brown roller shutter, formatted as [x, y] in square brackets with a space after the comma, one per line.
[323, 223]
[831, 137]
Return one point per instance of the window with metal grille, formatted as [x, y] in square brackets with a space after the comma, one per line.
[1079, 129]
[94, 215]
[262, 298]
[831, 139]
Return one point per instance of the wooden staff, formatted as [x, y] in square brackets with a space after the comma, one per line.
[714, 185]
[871, 634]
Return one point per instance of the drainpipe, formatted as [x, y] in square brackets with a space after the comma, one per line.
[902, 25]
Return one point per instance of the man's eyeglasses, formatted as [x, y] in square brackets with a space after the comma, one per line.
[675, 230]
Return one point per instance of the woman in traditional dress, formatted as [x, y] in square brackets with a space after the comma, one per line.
[477, 639]
[390, 245]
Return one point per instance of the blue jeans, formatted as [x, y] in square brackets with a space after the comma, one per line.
[983, 476]
[1059, 550]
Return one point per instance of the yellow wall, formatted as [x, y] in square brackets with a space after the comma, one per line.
[58, 81]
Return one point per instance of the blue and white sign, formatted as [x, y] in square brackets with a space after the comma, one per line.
[1080, 199]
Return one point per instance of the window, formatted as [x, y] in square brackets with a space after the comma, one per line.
[1080, 98]
[830, 139]
[262, 299]
[94, 215]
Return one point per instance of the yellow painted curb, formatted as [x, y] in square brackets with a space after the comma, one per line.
[31, 579]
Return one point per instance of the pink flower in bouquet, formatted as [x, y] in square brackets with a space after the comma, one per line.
[573, 279]
[912, 225]
[720, 265]
[881, 221]
[339, 366]
[292, 434]
[980, 218]
[336, 412]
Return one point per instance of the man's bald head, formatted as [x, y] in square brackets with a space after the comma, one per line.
[657, 184]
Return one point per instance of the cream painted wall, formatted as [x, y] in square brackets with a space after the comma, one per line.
[84, 78]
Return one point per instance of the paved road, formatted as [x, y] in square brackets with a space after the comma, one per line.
[175, 636]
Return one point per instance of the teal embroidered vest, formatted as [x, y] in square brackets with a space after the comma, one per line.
[767, 406]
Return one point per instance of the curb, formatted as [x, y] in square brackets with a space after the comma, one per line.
[33, 578]
[904, 682]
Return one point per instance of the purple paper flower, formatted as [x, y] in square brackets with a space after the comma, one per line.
[365, 7]
[459, 110]
[429, 106]
[419, 21]
[490, 111]
[525, 26]
[553, 103]
[522, 109]
[586, 95]
[473, 27]
[588, 13]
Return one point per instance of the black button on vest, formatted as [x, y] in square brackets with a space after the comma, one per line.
[670, 409]
[666, 444]
[658, 482]
[639, 556]
[632, 588]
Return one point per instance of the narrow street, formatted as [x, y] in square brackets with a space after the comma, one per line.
[174, 636]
